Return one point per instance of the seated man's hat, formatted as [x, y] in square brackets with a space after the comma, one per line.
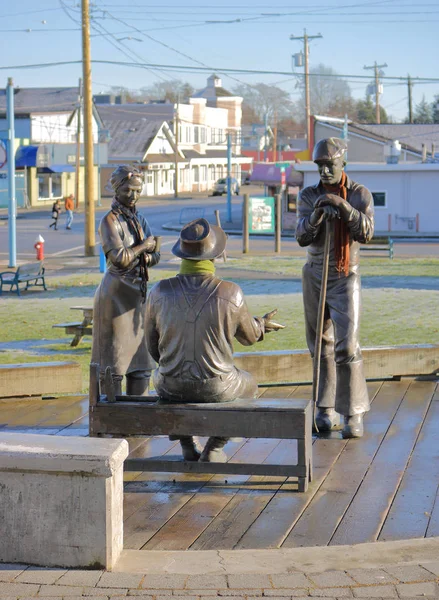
[199, 240]
[329, 149]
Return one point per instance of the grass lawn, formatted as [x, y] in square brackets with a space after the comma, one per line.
[391, 316]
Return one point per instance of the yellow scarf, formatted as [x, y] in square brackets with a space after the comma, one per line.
[196, 267]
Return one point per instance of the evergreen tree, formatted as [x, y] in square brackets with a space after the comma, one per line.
[435, 109]
[366, 111]
[423, 112]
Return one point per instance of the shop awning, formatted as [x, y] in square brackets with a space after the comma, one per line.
[59, 169]
[269, 174]
[26, 156]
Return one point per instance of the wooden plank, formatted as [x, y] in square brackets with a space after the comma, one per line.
[367, 512]
[319, 521]
[433, 525]
[164, 500]
[36, 379]
[278, 518]
[410, 513]
[243, 507]
[180, 466]
[40, 412]
[296, 366]
[253, 418]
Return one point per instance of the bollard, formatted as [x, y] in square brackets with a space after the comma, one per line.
[102, 261]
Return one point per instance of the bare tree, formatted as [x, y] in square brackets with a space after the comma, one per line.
[169, 91]
[330, 95]
[265, 99]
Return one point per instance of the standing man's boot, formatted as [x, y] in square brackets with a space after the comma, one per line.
[190, 448]
[213, 450]
[326, 419]
[353, 426]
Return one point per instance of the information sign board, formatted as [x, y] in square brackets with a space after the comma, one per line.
[261, 215]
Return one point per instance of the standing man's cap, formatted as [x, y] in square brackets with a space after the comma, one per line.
[329, 149]
[199, 240]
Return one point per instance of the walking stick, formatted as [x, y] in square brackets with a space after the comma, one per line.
[320, 319]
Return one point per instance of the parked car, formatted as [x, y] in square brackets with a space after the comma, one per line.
[220, 187]
[245, 179]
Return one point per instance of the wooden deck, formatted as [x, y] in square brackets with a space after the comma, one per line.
[383, 486]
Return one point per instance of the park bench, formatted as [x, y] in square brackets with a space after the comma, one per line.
[30, 274]
[379, 249]
[276, 418]
[78, 328]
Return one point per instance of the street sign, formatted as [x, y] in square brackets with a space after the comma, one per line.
[283, 165]
[261, 215]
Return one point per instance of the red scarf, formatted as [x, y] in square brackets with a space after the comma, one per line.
[341, 231]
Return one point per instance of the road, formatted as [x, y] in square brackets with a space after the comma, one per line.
[67, 247]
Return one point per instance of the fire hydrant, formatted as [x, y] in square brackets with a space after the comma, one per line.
[39, 247]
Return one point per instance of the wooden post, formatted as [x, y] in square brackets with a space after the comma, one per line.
[245, 234]
[218, 222]
[278, 223]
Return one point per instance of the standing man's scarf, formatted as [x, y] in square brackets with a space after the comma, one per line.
[341, 231]
[131, 215]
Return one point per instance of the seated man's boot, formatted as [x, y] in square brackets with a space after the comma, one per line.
[353, 426]
[138, 383]
[190, 448]
[326, 418]
[213, 450]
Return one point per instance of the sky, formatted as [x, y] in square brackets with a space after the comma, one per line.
[221, 34]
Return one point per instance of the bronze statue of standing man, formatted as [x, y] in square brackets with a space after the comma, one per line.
[349, 206]
[119, 310]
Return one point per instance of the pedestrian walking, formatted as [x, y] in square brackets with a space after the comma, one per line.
[69, 205]
[56, 209]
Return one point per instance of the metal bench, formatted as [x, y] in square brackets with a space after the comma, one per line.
[387, 248]
[277, 418]
[32, 272]
[190, 213]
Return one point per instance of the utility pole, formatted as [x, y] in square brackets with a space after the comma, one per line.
[306, 39]
[78, 142]
[265, 135]
[377, 89]
[12, 201]
[275, 137]
[229, 178]
[409, 93]
[176, 136]
[89, 205]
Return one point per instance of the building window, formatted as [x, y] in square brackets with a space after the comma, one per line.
[203, 174]
[379, 199]
[203, 135]
[49, 185]
[196, 134]
[188, 135]
[149, 178]
[196, 175]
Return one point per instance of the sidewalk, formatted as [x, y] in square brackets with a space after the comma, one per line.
[363, 571]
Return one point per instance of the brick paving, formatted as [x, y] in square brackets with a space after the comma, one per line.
[18, 582]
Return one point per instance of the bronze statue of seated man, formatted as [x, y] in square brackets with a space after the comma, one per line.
[191, 322]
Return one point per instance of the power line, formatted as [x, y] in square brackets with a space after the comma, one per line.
[190, 68]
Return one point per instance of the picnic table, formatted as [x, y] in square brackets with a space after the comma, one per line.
[79, 328]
